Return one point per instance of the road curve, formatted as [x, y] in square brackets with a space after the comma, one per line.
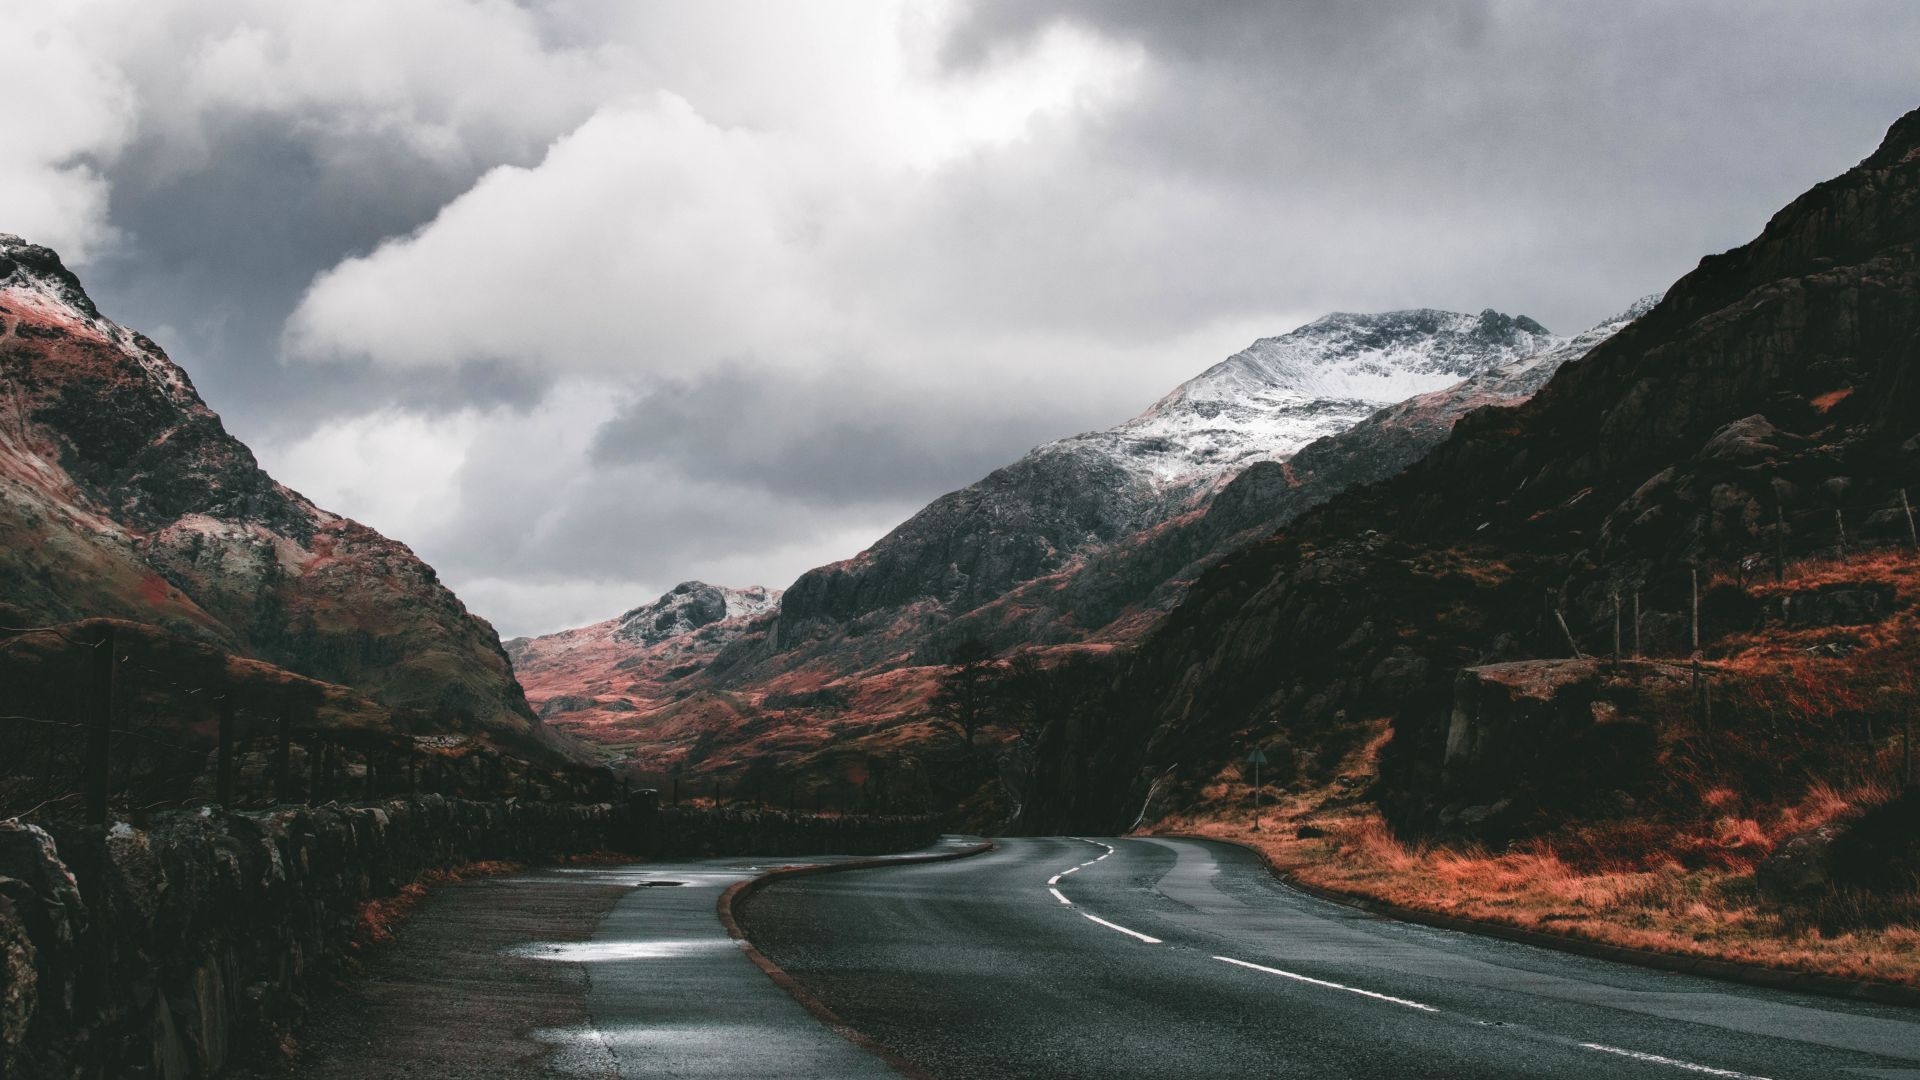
[1175, 958]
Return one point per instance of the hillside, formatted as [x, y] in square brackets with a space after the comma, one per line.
[1084, 540]
[123, 496]
[1069, 499]
[603, 680]
[1775, 382]
[1430, 659]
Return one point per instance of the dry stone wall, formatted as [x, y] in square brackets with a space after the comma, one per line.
[182, 947]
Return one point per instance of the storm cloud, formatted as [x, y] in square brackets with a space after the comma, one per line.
[583, 299]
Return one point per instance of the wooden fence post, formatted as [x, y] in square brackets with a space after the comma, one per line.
[223, 767]
[1637, 654]
[1779, 542]
[1696, 610]
[104, 665]
[1565, 629]
[1616, 629]
[1699, 693]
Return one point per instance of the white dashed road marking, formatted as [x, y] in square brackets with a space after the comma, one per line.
[1057, 895]
[1122, 929]
[1656, 1059]
[1329, 985]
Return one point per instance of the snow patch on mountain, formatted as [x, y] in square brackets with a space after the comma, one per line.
[41, 288]
[1281, 393]
[689, 606]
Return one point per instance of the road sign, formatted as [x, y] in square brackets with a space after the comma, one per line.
[1257, 757]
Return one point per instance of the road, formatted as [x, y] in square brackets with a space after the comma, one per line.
[600, 972]
[1173, 958]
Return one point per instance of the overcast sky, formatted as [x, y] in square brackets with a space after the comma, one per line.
[582, 299]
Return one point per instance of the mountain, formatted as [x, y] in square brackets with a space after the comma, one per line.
[1109, 595]
[597, 680]
[690, 606]
[123, 496]
[1761, 418]
[1069, 499]
[1086, 539]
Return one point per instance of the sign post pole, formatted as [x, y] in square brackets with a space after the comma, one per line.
[1256, 759]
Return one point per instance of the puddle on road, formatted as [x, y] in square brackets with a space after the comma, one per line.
[594, 952]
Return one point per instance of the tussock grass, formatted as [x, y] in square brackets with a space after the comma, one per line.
[1712, 911]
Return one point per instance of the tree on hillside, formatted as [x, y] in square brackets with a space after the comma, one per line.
[1033, 693]
[964, 701]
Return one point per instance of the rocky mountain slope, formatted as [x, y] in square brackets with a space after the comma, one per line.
[598, 679]
[1195, 476]
[690, 606]
[122, 495]
[1765, 413]
[1070, 498]
[1112, 593]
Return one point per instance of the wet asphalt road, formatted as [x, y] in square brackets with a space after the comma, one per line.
[595, 972]
[1182, 958]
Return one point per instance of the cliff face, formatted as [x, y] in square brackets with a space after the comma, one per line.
[122, 495]
[1775, 385]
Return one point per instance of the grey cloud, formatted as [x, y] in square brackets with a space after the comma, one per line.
[840, 437]
[221, 248]
[1545, 157]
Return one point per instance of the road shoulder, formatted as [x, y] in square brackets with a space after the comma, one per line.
[1723, 970]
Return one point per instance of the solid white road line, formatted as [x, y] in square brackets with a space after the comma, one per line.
[1656, 1059]
[1329, 985]
[1122, 929]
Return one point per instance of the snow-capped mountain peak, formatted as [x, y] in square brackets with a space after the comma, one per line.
[41, 287]
[1281, 393]
[687, 607]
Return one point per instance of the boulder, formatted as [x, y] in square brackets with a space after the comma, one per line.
[1798, 868]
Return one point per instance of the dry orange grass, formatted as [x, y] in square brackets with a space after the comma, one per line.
[378, 919]
[1653, 901]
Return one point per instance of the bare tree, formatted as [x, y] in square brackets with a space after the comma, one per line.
[964, 701]
[1035, 693]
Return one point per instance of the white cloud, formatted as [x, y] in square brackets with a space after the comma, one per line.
[648, 239]
[524, 607]
[71, 113]
[392, 470]
[656, 238]
[447, 78]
